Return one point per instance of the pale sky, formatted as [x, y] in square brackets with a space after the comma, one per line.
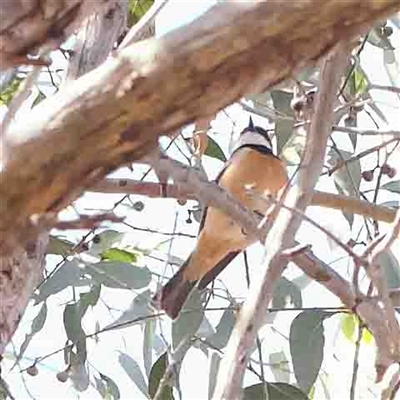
[194, 382]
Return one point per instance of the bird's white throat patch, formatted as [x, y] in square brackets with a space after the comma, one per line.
[252, 138]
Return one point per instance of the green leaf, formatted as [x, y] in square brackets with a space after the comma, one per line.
[390, 268]
[73, 328]
[307, 341]
[37, 325]
[59, 246]
[393, 186]
[139, 308]
[137, 8]
[276, 391]
[78, 373]
[284, 291]
[148, 344]
[134, 372]
[119, 275]
[103, 241]
[376, 38]
[223, 330]
[69, 274]
[9, 91]
[392, 204]
[156, 375]
[214, 150]
[215, 360]
[283, 126]
[38, 99]
[358, 82]
[114, 254]
[189, 319]
[280, 366]
[112, 391]
[89, 299]
[348, 325]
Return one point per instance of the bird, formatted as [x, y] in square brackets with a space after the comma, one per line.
[220, 239]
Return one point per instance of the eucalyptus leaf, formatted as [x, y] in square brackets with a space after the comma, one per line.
[131, 367]
[214, 150]
[73, 328]
[78, 373]
[223, 330]
[348, 325]
[376, 38]
[393, 186]
[89, 299]
[104, 241]
[189, 320]
[37, 325]
[119, 274]
[307, 341]
[69, 274]
[283, 126]
[115, 254]
[390, 268]
[111, 387]
[276, 391]
[215, 360]
[138, 309]
[148, 344]
[279, 366]
[286, 290]
[156, 375]
[59, 246]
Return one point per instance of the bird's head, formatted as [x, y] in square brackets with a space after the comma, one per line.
[254, 135]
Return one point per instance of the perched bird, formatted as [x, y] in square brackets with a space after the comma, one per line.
[220, 239]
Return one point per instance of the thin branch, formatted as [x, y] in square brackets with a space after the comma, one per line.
[183, 192]
[367, 132]
[356, 361]
[392, 89]
[281, 235]
[357, 157]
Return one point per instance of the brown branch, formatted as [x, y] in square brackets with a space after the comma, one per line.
[26, 26]
[358, 156]
[234, 49]
[367, 132]
[20, 272]
[322, 199]
[281, 235]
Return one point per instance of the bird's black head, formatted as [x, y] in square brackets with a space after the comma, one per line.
[257, 130]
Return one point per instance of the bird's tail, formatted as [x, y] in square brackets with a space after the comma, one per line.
[173, 295]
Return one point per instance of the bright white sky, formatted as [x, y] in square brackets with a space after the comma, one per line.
[162, 213]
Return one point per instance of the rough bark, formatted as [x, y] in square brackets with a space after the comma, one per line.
[27, 26]
[19, 273]
[116, 113]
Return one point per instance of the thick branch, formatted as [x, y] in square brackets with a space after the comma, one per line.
[114, 114]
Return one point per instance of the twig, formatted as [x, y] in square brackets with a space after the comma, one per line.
[355, 361]
[393, 89]
[183, 192]
[88, 221]
[364, 153]
[367, 132]
[137, 228]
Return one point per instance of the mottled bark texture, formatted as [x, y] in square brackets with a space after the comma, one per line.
[27, 26]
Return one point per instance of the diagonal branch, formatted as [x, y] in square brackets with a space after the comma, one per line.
[281, 235]
[90, 128]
